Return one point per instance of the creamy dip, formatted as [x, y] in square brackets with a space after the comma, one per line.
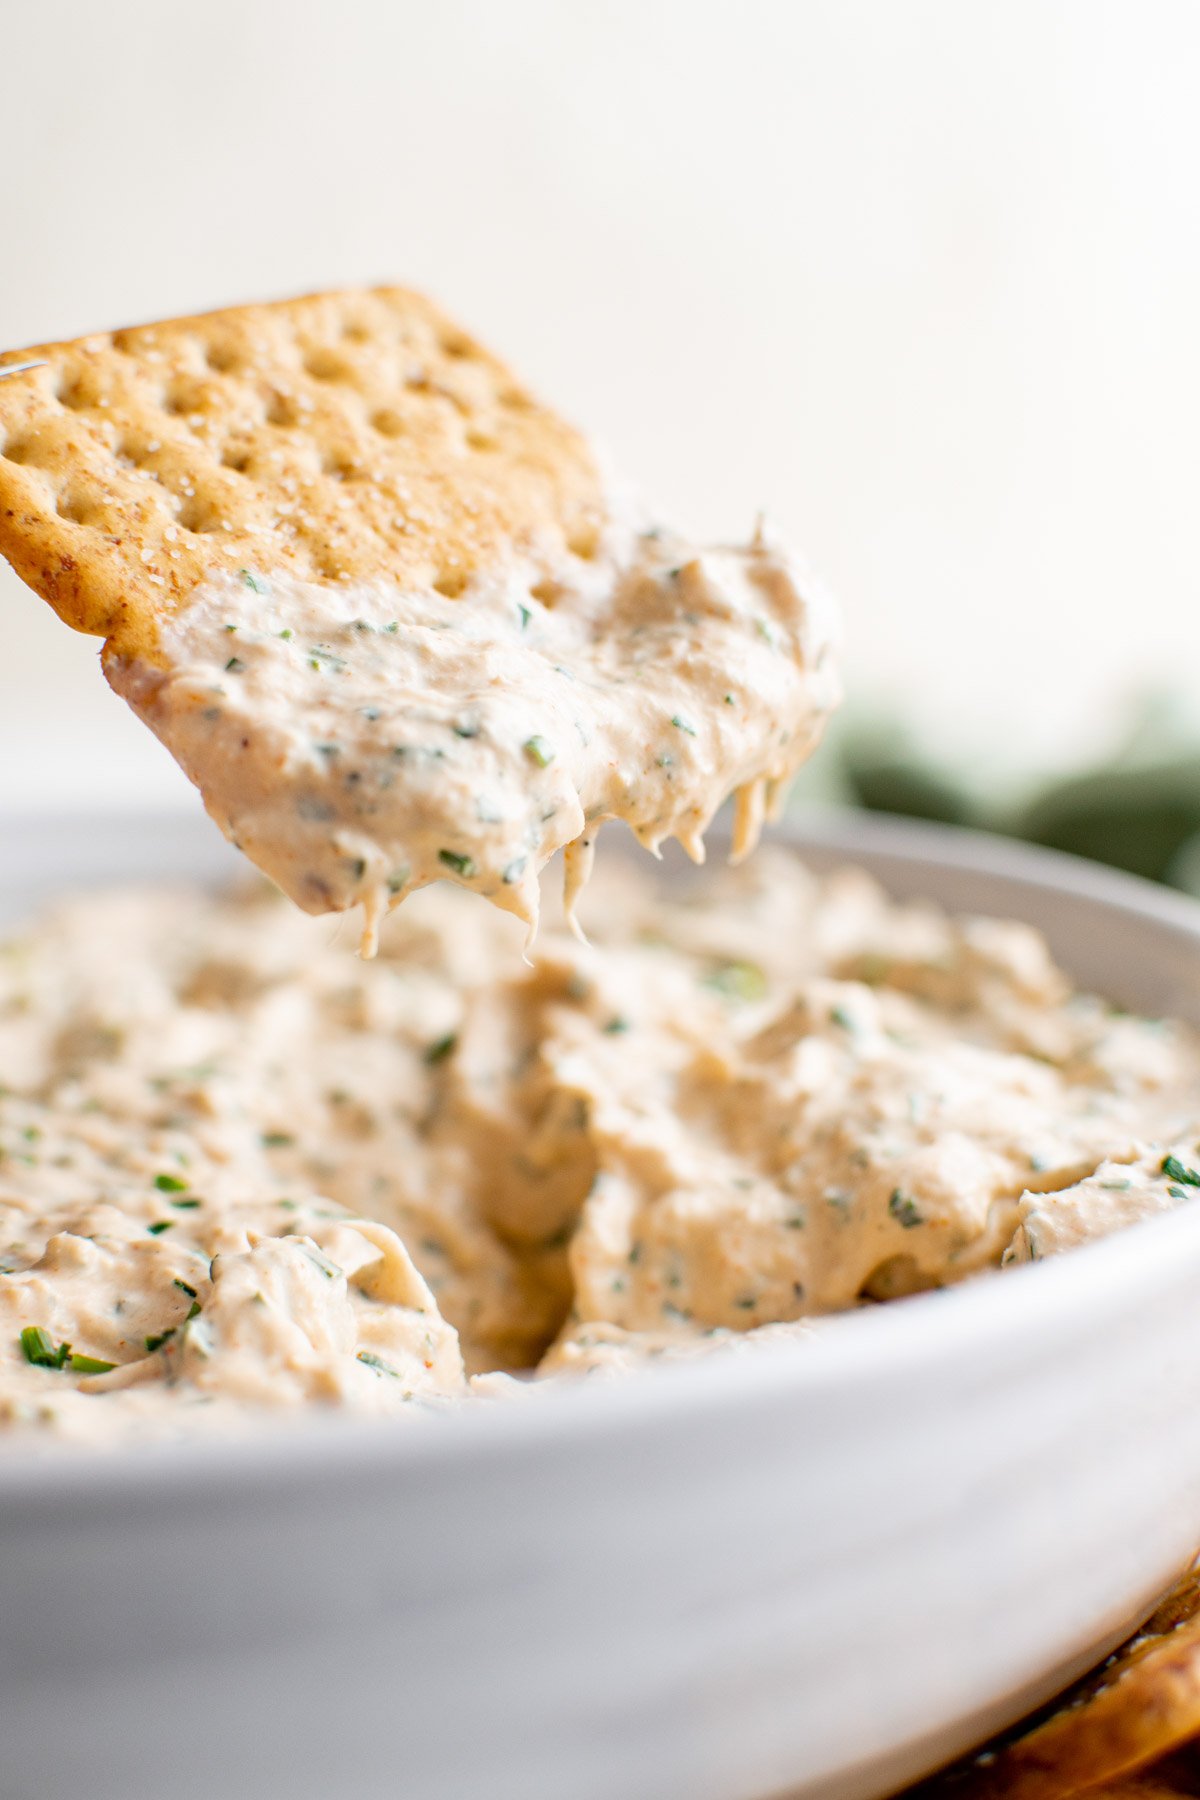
[359, 742]
[251, 1174]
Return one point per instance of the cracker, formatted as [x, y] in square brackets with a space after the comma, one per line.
[1139, 1706]
[340, 437]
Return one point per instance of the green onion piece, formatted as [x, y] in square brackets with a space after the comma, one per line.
[156, 1343]
[375, 1362]
[39, 1348]
[1178, 1171]
[89, 1365]
[186, 1205]
[277, 1140]
[444, 1047]
[539, 751]
[253, 583]
[184, 1288]
[159, 1226]
[454, 859]
[682, 724]
[234, 666]
[170, 1184]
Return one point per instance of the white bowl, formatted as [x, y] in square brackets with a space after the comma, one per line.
[824, 1569]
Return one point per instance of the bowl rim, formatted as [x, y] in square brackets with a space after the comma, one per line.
[1097, 1284]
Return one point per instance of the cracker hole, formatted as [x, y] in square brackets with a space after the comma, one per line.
[327, 365]
[548, 592]
[76, 508]
[585, 543]
[183, 399]
[355, 332]
[340, 466]
[22, 451]
[514, 400]
[74, 395]
[387, 423]
[281, 410]
[482, 441]
[223, 358]
[327, 562]
[198, 514]
[236, 457]
[456, 346]
[451, 583]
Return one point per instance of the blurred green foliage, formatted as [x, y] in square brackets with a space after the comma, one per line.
[1137, 808]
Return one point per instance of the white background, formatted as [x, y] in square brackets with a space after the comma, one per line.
[921, 278]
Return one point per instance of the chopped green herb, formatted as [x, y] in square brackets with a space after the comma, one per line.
[615, 1026]
[1178, 1171]
[287, 634]
[454, 859]
[839, 1016]
[231, 628]
[539, 751]
[515, 870]
[185, 1288]
[468, 729]
[253, 583]
[234, 666]
[328, 749]
[159, 1226]
[186, 1205]
[738, 980]
[163, 1337]
[392, 626]
[1177, 1193]
[329, 1269]
[729, 700]
[904, 1210]
[320, 656]
[39, 1348]
[277, 1140]
[89, 1365]
[635, 1253]
[376, 1362]
[526, 615]
[682, 724]
[444, 1047]
[170, 1184]
[193, 1312]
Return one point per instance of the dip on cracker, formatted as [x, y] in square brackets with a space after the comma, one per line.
[387, 611]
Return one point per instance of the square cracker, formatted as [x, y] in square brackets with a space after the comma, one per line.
[340, 437]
